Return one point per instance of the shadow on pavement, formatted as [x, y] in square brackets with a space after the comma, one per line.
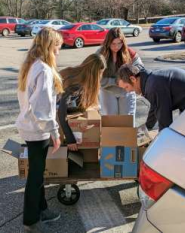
[10, 69]
[11, 205]
[166, 48]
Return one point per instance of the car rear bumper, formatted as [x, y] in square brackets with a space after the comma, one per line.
[69, 41]
[165, 35]
[21, 31]
[142, 224]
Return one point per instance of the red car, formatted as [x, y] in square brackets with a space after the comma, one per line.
[7, 24]
[80, 34]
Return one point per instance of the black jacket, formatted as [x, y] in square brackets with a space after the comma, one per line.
[69, 103]
[165, 90]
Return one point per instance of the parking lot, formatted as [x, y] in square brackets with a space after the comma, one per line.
[110, 206]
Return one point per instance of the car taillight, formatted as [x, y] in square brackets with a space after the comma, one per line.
[153, 184]
[167, 28]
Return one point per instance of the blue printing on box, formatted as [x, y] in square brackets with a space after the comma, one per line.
[119, 162]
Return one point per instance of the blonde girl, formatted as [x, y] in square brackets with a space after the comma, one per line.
[38, 85]
[81, 85]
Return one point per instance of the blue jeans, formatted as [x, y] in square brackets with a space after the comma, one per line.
[122, 104]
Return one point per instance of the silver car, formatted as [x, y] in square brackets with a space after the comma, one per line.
[125, 26]
[162, 182]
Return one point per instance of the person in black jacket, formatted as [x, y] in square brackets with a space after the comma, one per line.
[164, 89]
[81, 85]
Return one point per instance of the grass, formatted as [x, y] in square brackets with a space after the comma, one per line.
[175, 56]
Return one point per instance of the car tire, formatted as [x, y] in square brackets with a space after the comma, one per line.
[5, 32]
[31, 34]
[178, 37]
[22, 35]
[156, 40]
[79, 43]
[136, 32]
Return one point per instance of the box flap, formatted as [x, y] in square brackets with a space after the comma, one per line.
[93, 115]
[75, 115]
[12, 148]
[143, 136]
[117, 121]
[122, 136]
[61, 153]
[76, 156]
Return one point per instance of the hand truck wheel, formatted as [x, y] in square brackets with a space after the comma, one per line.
[68, 194]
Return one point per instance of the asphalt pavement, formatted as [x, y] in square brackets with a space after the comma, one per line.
[110, 206]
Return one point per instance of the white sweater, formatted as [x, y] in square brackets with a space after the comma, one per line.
[36, 120]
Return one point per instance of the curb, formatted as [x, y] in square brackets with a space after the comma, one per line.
[160, 58]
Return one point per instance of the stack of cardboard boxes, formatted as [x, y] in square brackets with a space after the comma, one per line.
[108, 143]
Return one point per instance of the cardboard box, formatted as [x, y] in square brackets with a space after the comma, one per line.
[119, 162]
[86, 128]
[118, 131]
[56, 164]
[90, 155]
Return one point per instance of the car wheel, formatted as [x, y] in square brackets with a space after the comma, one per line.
[79, 43]
[156, 39]
[5, 32]
[136, 32]
[22, 35]
[31, 34]
[178, 37]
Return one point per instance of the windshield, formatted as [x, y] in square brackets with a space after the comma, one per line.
[166, 21]
[43, 22]
[103, 22]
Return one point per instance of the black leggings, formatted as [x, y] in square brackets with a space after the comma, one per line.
[34, 197]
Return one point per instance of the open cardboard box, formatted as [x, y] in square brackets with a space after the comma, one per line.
[57, 164]
[86, 129]
[117, 130]
[119, 157]
[118, 134]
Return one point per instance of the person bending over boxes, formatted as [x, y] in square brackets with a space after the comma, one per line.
[81, 86]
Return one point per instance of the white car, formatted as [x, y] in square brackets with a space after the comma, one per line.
[55, 23]
[126, 27]
[162, 182]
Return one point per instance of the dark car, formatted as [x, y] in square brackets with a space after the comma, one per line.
[23, 29]
[167, 28]
[7, 24]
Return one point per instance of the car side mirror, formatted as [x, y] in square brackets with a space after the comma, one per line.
[102, 30]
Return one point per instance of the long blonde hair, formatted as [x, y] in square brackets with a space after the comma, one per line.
[42, 48]
[87, 76]
[123, 55]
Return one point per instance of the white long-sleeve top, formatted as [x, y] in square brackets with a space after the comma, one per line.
[36, 120]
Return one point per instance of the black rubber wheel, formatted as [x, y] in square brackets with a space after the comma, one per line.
[156, 39]
[136, 32]
[178, 37]
[75, 195]
[5, 32]
[79, 43]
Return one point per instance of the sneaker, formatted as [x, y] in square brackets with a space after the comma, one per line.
[38, 227]
[49, 216]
